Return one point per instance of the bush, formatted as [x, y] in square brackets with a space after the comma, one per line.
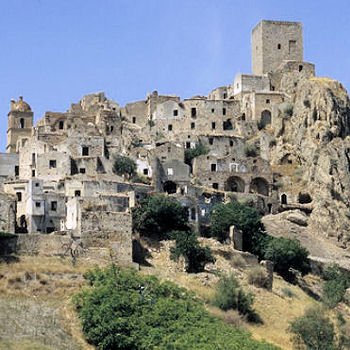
[229, 295]
[191, 153]
[187, 245]
[251, 151]
[285, 254]
[258, 277]
[287, 109]
[244, 218]
[124, 166]
[122, 310]
[313, 331]
[335, 285]
[158, 215]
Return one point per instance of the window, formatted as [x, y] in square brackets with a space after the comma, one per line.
[211, 140]
[82, 171]
[202, 212]
[193, 112]
[279, 46]
[215, 186]
[53, 205]
[33, 173]
[21, 123]
[188, 144]
[77, 193]
[37, 204]
[193, 126]
[16, 170]
[19, 196]
[213, 167]
[37, 184]
[145, 171]
[175, 112]
[61, 124]
[272, 88]
[292, 46]
[134, 120]
[231, 143]
[224, 111]
[170, 127]
[213, 125]
[212, 110]
[225, 95]
[85, 151]
[267, 101]
[243, 116]
[193, 214]
[169, 149]
[52, 164]
[300, 68]
[170, 171]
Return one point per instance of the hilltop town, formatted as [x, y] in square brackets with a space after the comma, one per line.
[276, 138]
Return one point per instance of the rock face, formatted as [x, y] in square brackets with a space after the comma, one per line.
[312, 154]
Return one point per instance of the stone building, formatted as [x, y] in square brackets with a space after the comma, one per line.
[60, 171]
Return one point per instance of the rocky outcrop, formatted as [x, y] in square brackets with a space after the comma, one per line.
[313, 154]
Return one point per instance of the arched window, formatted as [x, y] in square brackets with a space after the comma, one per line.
[234, 184]
[21, 123]
[260, 186]
[265, 118]
[284, 199]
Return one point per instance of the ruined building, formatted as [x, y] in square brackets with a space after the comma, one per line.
[58, 175]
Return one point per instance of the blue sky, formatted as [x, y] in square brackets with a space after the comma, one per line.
[55, 51]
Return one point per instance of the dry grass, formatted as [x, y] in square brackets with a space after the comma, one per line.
[35, 300]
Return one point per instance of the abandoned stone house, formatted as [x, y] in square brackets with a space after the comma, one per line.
[57, 174]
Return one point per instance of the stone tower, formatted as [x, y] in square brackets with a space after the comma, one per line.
[20, 123]
[274, 42]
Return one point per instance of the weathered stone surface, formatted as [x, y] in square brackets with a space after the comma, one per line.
[298, 218]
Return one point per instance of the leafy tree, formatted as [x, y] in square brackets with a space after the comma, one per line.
[122, 310]
[187, 245]
[124, 166]
[287, 253]
[229, 295]
[313, 331]
[191, 153]
[335, 285]
[244, 218]
[158, 215]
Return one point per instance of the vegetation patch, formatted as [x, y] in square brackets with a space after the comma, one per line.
[123, 310]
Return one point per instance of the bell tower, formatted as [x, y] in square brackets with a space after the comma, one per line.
[20, 123]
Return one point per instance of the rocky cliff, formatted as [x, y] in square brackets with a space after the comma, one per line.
[311, 151]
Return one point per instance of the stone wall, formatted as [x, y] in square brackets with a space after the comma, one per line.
[107, 229]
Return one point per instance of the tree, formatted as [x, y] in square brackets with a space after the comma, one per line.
[243, 217]
[335, 285]
[158, 215]
[313, 331]
[187, 245]
[285, 254]
[124, 166]
[191, 153]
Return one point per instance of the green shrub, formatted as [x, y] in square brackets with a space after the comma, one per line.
[124, 166]
[244, 218]
[313, 331]
[141, 179]
[187, 245]
[285, 254]
[158, 215]
[287, 109]
[229, 295]
[251, 151]
[335, 285]
[122, 310]
[288, 292]
[257, 276]
[191, 153]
